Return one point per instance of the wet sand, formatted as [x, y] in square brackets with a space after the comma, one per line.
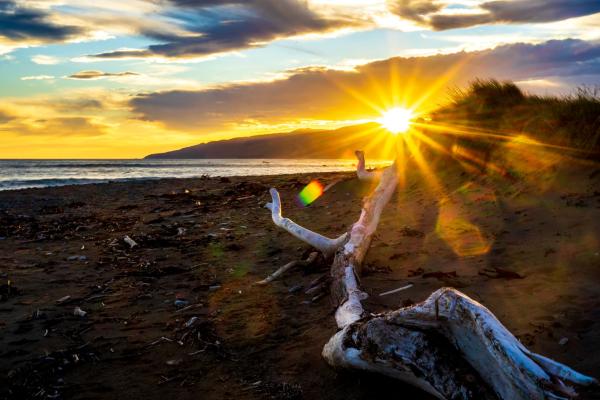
[177, 315]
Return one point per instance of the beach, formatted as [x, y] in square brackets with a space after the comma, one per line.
[85, 315]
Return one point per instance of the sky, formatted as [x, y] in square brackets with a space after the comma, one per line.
[123, 79]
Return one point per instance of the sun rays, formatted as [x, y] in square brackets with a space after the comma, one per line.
[406, 127]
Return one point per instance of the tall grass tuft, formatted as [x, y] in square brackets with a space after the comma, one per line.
[572, 120]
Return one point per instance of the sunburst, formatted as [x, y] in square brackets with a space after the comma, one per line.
[396, 120]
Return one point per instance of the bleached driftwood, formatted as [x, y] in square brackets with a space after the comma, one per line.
[361, 171]
[347, 263]
[398, 343]
[324, 244]
[449, 345]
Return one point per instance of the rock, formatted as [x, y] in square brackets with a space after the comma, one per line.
[295, 289]
[191, 322]
[63, 300]
[563, 341]
[179, 303]
[78, 312]
[77, 258]
[132, 243]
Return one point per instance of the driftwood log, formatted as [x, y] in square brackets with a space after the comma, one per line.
[449, 345]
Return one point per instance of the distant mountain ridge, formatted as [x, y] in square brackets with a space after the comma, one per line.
[305, 143]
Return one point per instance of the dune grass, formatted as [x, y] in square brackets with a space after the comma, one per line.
[572, 120]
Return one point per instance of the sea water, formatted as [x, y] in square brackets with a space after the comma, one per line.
[20, 174]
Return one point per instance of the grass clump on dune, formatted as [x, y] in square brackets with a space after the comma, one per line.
[572, 120]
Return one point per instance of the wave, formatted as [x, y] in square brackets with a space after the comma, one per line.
[39, 183]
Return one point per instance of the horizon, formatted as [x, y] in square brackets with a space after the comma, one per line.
[163, 76]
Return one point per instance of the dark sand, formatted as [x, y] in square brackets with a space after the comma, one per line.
[528, 250]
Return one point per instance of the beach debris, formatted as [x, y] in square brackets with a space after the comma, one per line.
[174, 362]
[292, 264]
[63, 299]
[77, 258]
[181, 303]
[563, 341]
[78, 312]
[500, 273]
[396, 290]
[132, 243]
[191, 322]
[295, 289]
[214, 287]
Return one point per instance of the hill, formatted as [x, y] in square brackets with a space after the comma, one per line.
[336, 143]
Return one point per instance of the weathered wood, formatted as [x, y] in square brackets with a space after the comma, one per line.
[361, 171]
[324, 244]
[449, 345]
[509, 369]
[312, 257]
[347, 264]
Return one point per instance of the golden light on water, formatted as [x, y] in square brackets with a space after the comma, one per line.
[396, 120]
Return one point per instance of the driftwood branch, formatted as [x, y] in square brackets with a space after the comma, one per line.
[449, 345]
[346, 267]
[361, 171]
[292, 264]
[324, 244]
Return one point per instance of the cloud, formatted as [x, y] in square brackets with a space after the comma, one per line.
[88, 75]
[37, 78]
[414, 10]
[434, 14]
[69, 126]
[222, 26]
[4, 117]
[325, 94]
[19, 23]
[44, 60]
[54, 126]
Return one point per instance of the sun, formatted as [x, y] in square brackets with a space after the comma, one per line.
[396, 120]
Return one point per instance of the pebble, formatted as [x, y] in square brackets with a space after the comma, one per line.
[181, 303]
[77, 258]
[78, 312]
[563, 341]
[63, 299]
[295, 289]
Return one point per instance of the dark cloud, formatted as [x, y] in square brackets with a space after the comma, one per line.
[426, 12]
[414, 10]
[99, 74]
[320, 93]
[4, 117]
[214, 27]
[18, 23]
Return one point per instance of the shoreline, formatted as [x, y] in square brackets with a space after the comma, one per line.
[203, 242]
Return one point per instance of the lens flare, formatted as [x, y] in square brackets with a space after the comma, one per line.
[310, 193]
[396, 120]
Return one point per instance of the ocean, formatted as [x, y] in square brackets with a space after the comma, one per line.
[20, 174]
